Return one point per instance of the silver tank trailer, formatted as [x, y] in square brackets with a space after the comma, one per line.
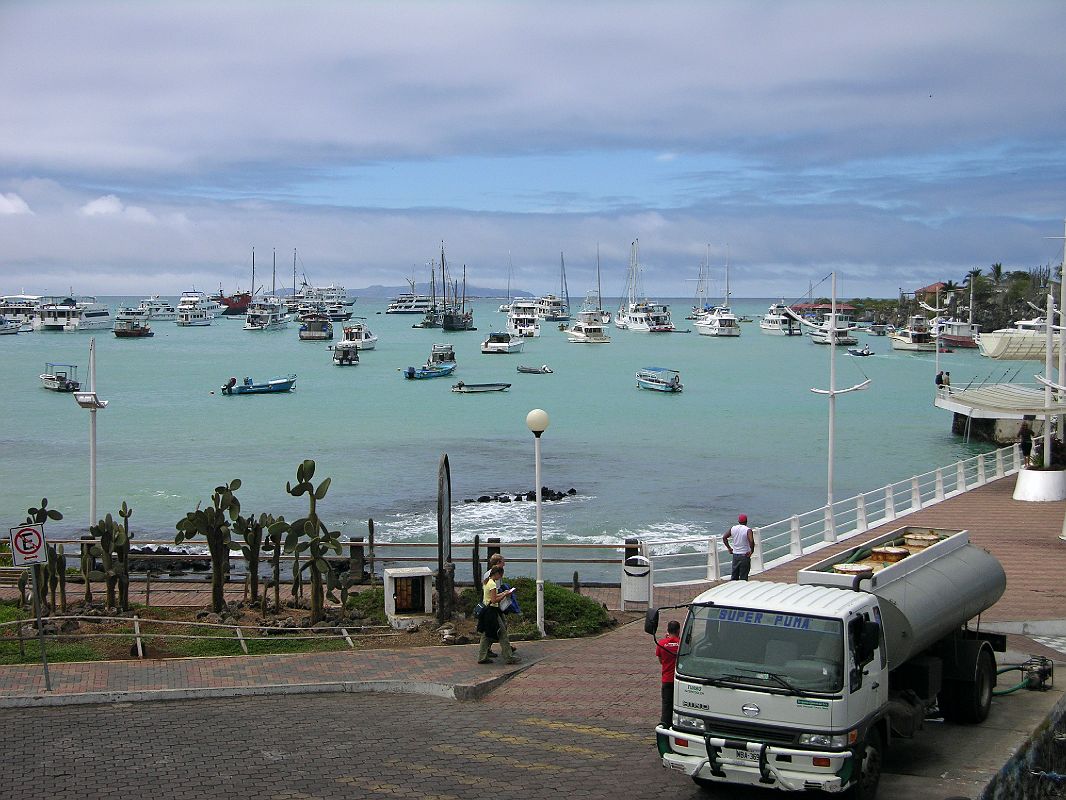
[926, 595]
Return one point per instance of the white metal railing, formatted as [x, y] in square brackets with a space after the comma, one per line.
[702, 559]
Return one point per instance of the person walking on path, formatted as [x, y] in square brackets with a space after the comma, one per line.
[740, 539]
[1025, 439]
[666, 649]
[490, 623]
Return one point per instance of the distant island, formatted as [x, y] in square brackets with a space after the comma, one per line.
[472, 292]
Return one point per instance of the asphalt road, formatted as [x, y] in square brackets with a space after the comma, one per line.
[297, 747]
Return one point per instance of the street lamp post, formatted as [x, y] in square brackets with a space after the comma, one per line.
[537, 421]
[90, 401]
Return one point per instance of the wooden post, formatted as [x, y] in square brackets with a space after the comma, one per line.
[373, 562]
[356, 558]
[475, 560]
[492, 547]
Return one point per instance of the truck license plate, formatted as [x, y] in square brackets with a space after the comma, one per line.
[747, 755]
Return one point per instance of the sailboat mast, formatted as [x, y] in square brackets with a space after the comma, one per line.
[599, 294]
[727, 276]
[564, 292]
[274, 275]
[253, 271]
[294, 272]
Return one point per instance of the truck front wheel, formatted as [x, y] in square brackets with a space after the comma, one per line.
[865, 786]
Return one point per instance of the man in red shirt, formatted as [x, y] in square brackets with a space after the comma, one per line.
[666, 649]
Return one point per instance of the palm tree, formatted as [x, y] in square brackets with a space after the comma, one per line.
[950, 290]
[996, 274]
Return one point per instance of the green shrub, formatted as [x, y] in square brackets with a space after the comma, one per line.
[566, 613]
[371, 604]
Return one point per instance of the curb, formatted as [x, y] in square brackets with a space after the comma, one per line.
[445, 691]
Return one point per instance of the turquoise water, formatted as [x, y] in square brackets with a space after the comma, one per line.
[745, 435]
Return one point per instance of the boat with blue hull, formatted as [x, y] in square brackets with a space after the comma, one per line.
[429, 371]
[248, 386]
[659, 379]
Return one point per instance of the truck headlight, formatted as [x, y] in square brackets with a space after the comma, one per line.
[693, 723]
[824, 739]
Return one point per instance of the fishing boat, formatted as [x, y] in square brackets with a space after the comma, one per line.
[315, 327]
[73, 314]
[636, 312]
[502, 342]
[543, 369]
[361, 335]
[778, 322]
[232, 305]
[248, 386]
[476, 388]
[956, 332]
[132, 323]
[441, 354]
[156, 308]
[60, 377]
[915, 337]
[522, 319]
[457, 317]
[195, 309]
[9, 326]
[659, 379]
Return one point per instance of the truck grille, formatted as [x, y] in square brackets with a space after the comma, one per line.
[750, 733]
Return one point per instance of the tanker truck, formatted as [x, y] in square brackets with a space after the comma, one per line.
[802, 686]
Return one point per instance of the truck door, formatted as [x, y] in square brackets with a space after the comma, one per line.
[867, 680]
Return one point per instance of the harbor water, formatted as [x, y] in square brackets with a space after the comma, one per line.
[745, 435]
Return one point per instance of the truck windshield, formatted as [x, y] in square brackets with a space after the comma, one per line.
[762, 648]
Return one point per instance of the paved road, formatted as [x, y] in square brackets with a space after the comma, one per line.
[299, 747]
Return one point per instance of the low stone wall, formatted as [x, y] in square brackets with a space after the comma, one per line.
[1035, 771]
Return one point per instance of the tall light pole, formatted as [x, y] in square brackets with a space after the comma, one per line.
[832, 330]
[90, 401]
[537, 421]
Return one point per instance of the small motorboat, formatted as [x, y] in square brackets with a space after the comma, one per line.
[659, 379]
[474, 388]
[60, 377]
[345, 354]
[861, 351]
[248, 386]
[543, 369]
[9, 326]
[132, 323]
[440, 370]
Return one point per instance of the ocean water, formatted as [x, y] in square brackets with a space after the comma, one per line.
[746, 435]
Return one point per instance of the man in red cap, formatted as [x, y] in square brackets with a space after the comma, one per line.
[740, 539]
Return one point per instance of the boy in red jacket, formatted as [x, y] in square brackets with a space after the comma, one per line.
[666, 649]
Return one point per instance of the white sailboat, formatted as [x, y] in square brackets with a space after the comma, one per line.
[636, 312]
[719, 320]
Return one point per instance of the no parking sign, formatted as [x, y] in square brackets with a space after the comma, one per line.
[27, 545]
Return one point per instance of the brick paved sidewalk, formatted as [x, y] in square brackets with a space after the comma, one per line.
[609, 677]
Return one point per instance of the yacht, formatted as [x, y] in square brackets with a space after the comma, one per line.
[777, 321]
[315, 327]
[843, 332]
[637, 313]
[410, 302]
[522, 319]
[74, 314]
[24, 308]
[158, 309]
[588, 328]
[550, 308]
[195, 310]
[266, 314]
[361, 335]
[502, 342]
[1026, 341]
[916, 336]
[719, 321]
[9, 327]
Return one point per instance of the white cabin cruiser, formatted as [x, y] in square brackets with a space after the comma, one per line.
[778, 322]
[266, 314]
[915, 337]
[195, 310]
[588, 328]
[502, 342]
[158, 309]
[74, 314]
[361, 335]
[522, 320]
[719, 321]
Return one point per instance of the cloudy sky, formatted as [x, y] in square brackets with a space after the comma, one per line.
[148, 147]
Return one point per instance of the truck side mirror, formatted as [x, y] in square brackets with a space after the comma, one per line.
[651, 621]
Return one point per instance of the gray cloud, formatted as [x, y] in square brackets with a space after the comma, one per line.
[151, 145]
